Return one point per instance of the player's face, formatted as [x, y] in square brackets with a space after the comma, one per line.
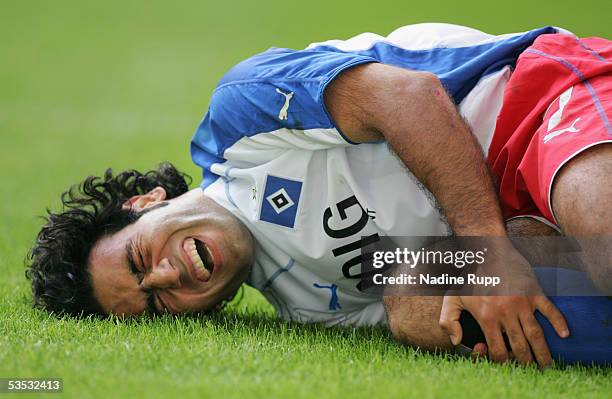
[183, 255]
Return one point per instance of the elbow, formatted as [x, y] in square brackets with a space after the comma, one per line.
[418, 96]
[428, 79]
[419, 84]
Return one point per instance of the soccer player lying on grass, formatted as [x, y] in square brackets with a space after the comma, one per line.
[297, 175]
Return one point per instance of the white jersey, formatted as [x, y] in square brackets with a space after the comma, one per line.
[271, 154]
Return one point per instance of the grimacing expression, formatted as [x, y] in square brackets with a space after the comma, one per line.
[183, 255]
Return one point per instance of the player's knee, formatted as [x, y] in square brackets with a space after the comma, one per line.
[396, 329]
[527, 226]
[582, 202]
[413, 321]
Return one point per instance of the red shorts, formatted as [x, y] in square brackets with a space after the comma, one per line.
[557, 103]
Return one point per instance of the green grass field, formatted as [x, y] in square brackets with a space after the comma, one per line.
[124, 84]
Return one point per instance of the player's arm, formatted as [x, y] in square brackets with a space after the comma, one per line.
[413, 113]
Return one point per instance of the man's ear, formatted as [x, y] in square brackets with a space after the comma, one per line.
[140, 202]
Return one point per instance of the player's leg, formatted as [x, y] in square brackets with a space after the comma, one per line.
[529, 227]
[413, 320]
[567, 167]
[582, 205]
[588, 320]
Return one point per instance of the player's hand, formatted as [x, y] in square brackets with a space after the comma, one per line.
[510, 314]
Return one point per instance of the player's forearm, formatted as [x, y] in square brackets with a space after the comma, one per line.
[413, 113]
[435, 143]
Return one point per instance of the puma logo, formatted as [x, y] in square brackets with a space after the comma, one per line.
[282, 115]
[556, 117]
[554, 134]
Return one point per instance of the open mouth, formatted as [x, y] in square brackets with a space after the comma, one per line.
[201, 257]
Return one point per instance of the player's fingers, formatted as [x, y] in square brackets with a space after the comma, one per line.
[535, 337]
[449, 319]
[496, 346]
[520, 347]
[550, 311]
[479, 350]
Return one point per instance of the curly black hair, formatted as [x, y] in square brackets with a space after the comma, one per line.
[57, 264]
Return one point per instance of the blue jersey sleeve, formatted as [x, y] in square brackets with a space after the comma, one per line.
[280, 90]
[274, 100]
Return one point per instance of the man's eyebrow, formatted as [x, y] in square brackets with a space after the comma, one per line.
[129, 250]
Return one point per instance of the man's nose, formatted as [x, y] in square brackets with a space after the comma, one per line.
[162, 275]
